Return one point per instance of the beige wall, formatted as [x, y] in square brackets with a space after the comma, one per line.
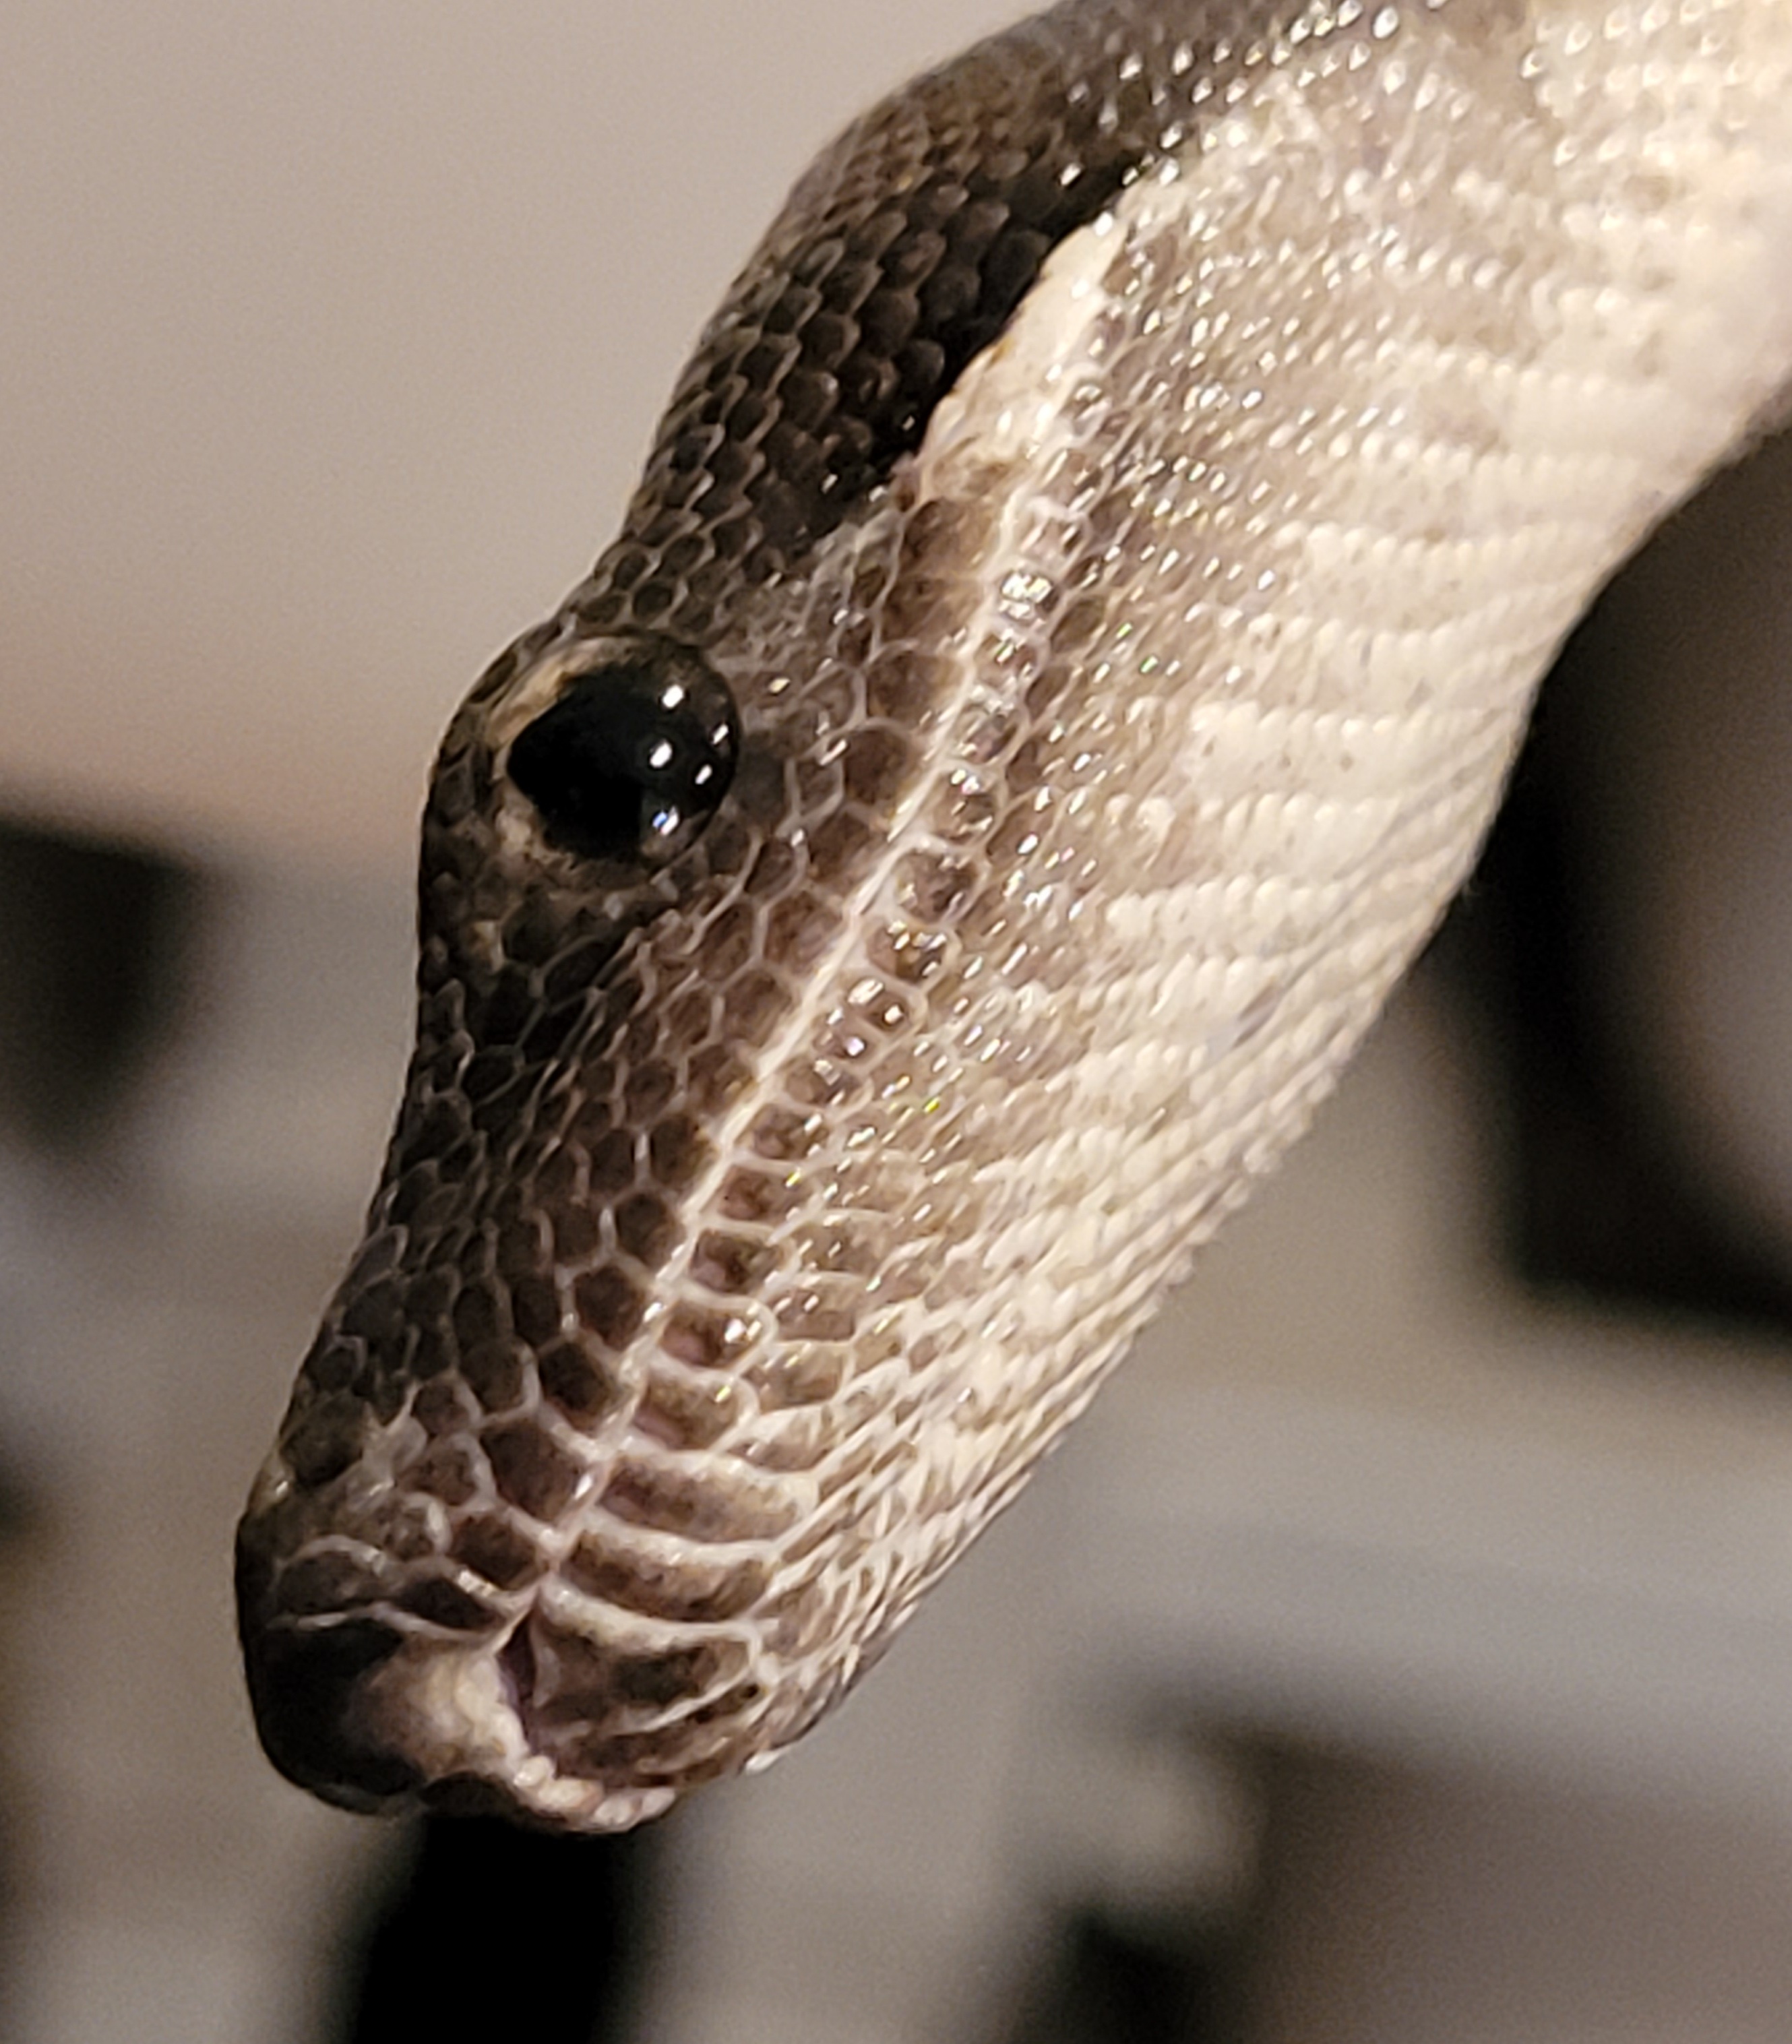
[331, 336]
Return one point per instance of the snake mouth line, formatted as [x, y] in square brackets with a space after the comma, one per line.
[516, 1668]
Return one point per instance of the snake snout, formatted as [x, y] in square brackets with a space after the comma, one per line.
[370, 1717]
[310, 1689]
[374, 1717]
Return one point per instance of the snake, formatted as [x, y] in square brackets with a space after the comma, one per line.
[1067, 643]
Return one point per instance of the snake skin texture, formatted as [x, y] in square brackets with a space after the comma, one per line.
[1080, 608]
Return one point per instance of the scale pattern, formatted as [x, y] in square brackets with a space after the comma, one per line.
[1129, 497]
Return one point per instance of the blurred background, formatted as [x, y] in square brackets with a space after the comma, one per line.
[1401, 1651]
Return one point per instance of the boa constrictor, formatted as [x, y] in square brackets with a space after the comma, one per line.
[1061, 655]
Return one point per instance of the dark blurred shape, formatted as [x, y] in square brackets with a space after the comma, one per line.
[490, 1932]
[1109, 1981]
[92, 935]
[1593, 1199]
[1564, 946]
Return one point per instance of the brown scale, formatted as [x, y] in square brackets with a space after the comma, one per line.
[680, 1590]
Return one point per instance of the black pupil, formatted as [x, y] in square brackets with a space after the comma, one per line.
[629, 764]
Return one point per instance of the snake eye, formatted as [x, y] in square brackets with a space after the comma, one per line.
[631, 761]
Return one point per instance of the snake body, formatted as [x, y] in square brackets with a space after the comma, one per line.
[1061, 655]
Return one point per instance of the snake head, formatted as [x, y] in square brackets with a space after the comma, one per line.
[1061, 656]
[635, 1427]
